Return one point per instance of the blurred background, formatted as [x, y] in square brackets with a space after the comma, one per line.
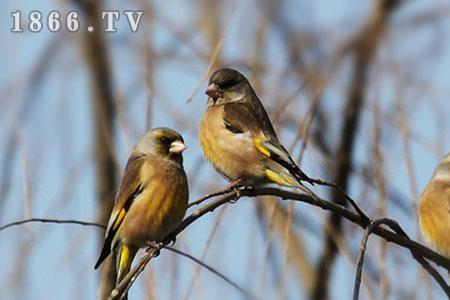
[358, 91]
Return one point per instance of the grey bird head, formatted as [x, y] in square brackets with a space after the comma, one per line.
[227, 85]
[161, 142]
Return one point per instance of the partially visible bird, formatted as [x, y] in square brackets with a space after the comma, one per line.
[152, 197]
[237, 137]
[434, 208]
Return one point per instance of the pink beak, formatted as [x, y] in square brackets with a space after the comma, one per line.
[213, 91]
[177, 147]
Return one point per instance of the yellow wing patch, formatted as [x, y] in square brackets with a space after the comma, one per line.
[260, 147]
[124, 257]
[119, 219]
[279, 179]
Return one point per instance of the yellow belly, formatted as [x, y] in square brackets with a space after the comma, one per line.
[157, 211]
[233, 155]
[434, 216]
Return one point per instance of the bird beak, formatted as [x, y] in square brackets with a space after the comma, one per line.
[213, 91]
[177, 147]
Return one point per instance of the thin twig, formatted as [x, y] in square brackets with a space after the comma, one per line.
[211, 195]
[204, 253]
[394, 235]
[212, 270]
[57, 221]
[380, 186]
[343, 194]
[396, 228]
[362, 251]
[214, 56]
[83, 223]
[397, 236]
[364, 52]
[122, 288]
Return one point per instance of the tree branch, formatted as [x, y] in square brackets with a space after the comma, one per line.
[364, 50]
[57, 221]
[394, 235]
[97, 61]
[93, 224]
[212, 270]
[395, 227]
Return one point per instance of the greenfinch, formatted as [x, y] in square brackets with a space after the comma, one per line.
[237, 137]
[434, 208]
[152, 198]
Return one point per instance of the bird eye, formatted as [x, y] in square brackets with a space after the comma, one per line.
[228, 83]
[164, 140]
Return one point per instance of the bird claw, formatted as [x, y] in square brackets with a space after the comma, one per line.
[156, 246]
[172, 240]
[237, 191]
[234, 185]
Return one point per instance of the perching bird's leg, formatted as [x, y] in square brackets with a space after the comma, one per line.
[235, 187]
[172, 240]
[156, 246]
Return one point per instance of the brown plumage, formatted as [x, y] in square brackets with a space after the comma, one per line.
[237, 158]
[237, 137]
[434, 209]
[152, 197]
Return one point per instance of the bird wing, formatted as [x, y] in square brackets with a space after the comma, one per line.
[275, 151]
[130, 188]
[250, 116]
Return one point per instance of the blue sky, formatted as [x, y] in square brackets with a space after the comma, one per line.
[52, 173]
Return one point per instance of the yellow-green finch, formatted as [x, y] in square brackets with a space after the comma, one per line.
[152, 197]
[237, 137]
[434, 208]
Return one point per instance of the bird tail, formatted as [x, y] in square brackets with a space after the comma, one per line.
[276, 152]
[125, 257]
[106, 250]
[299, 175]
[288, 179]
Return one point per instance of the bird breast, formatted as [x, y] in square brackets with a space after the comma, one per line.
[233, 155]
[434, 215]
[161, 206]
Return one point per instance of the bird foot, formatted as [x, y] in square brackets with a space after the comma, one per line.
[172, 240]
[156, 246]
[235, 186]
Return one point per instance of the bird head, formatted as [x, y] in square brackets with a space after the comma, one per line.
[442, 171]
[161, 142]
[227, 85]
[446, 159]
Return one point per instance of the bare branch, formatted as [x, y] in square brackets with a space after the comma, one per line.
[96, 52]
[362, 251]
[212, 270]
[395, 227]
[211, 195]
[55, 221]
[364, 52]
[396, 235]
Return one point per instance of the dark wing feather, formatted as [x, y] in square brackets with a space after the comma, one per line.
[129, 189]
[248, 116]
[280, 155]
[232, 127]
